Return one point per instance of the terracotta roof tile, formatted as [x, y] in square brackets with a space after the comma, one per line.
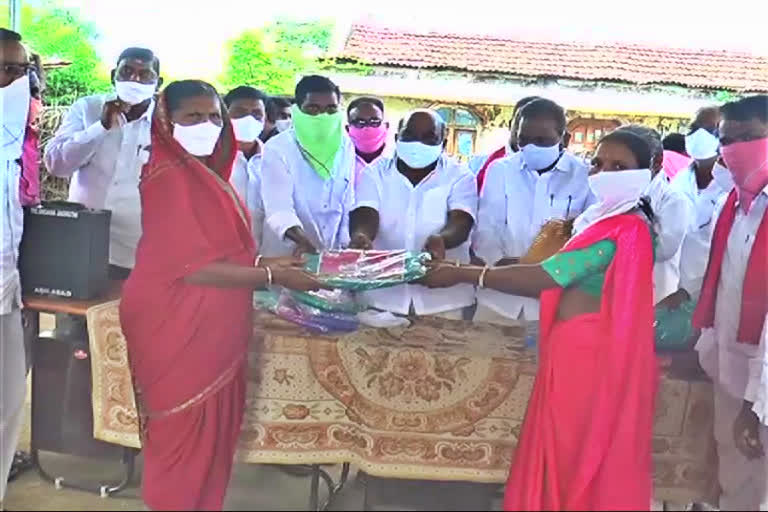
[710, 69]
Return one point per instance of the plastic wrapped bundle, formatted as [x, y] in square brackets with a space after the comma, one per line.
[673, 327]
[286, 307]
[337, 301]
[367, 270]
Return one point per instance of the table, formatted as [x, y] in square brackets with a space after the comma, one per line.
[442, 400]
[76, 441]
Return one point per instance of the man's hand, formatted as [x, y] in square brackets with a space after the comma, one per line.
[435, 246]
[674, 301]
[361, 241]
[303, 248]
[112, 112]
[503, 262]
[746, 433]
[441, 275]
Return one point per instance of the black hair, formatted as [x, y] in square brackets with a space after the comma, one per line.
[275, 103]
[649, 135]
[9, 36]
[376, 102]
[142, 54]
[177, 92]
[524, 101]
[542, 108]
[244, 92]
[315, 83]
[634, 143]
[746, 109]
[675, 142]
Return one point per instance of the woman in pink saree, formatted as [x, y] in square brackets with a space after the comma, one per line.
[586, 439]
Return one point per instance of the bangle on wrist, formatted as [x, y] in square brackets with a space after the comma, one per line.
[483, 274]
[269, 276]
[257, 261]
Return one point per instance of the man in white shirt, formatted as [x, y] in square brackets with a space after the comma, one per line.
[368, 131]
[246, 106]
[102, 144]
[673, 217]
[417, 200]
[308, 175]
[732, 308]
[521, 193]
[704, 183]
[14, 106]
[278, 118]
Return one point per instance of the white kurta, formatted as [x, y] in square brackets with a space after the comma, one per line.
[408, 215]
[673, 213]
[246, 179]
[294, 195]
[514, 204]
[696, 243]
[735, 368]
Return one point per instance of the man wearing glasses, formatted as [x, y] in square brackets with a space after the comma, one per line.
[102, 144]
[368, 131]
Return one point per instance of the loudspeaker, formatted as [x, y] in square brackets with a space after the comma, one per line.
[65, 251]
[62, 415]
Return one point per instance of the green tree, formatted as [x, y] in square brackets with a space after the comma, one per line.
[61, 34]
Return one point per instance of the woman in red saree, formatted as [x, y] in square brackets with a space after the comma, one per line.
[186, 309]
[586, 439]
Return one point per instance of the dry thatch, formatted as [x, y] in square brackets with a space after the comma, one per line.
[51, 188]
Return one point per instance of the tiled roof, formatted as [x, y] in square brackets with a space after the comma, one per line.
[710, 69]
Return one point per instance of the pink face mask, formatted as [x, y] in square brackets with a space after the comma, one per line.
[369, 139]
[748, 163]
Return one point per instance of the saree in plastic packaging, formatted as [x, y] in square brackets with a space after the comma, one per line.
[367, 270]
[336, 301]
[286, 307]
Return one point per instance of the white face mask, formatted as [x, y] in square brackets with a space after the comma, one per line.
[702, 145]
[617, 188]
[134, 93]
[417, 155]
[198, 139]
[14, 109]
[247, 129]
[283, 125]
[540, 157]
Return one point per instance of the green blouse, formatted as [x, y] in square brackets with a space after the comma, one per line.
[584, 268]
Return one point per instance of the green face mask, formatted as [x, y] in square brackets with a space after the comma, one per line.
[319, 137]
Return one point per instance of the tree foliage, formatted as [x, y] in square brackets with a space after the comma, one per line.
[60, 34]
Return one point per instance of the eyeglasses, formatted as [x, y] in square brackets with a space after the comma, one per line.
[14, 70]
[146, 75]
[362, 123]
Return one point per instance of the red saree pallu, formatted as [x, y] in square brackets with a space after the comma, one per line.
[187, 344]
[586, 439]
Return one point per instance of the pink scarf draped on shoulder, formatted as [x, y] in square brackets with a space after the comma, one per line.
[29, 182]
[612, 459]
[186, 341]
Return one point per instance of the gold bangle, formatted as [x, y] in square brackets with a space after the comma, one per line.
[269, 276]
[257, 261]
[481, 279]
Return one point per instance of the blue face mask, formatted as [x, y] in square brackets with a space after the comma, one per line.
[418, 155]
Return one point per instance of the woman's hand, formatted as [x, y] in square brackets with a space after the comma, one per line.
[442, 275]
[746, 433]
[296, 279]
[281, 262]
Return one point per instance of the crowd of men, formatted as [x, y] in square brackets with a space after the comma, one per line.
[314, 178]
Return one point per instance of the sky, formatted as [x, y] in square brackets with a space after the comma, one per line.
[190, 36]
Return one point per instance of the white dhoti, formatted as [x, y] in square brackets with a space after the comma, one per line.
[742, 481]
[12, 394]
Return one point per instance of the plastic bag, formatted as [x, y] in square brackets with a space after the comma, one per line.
[337, 301]
[288, 308]
[673, 328]
[367, 270]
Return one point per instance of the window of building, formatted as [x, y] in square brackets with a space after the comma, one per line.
[463, 125]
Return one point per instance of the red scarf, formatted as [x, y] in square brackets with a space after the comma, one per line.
[754, 299]
[496, 155]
